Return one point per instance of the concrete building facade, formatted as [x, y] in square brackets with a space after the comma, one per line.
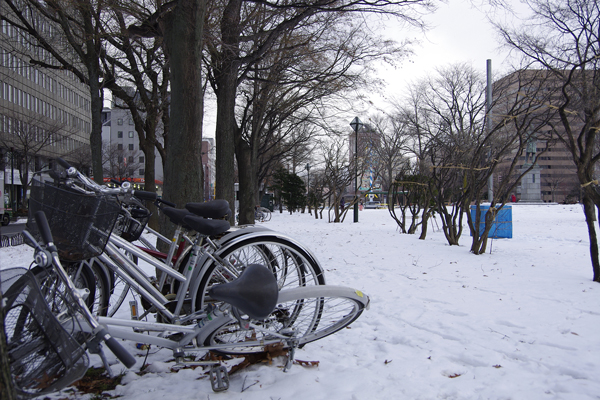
[44, 113]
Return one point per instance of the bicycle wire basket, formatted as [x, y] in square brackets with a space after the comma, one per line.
[80, 223]
[131, 227]
[44, 357]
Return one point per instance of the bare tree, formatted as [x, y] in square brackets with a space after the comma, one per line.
[466, 143]
[234, 51]
[120, 163]
[339, 173]
[138, 76]
[180, 24]
[31, 136]
[388, 147]
[561, 37]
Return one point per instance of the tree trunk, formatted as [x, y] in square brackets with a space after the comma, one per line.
[150, 177]
[424, 222]
[226, 91]
[183, 43]
[247, 177]
[590, 217]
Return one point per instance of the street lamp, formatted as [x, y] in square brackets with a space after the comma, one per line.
[355, 124]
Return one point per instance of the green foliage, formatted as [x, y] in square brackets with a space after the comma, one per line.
[289, 188]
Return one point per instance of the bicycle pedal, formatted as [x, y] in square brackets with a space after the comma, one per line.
[219, 378]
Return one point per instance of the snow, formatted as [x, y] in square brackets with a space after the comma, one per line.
[519, 322]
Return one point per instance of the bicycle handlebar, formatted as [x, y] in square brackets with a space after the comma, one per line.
[63, 163]
[44, 228]
[117, 349]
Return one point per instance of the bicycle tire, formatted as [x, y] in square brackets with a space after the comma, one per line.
[292, 266]
[118, 292]
[304, 314]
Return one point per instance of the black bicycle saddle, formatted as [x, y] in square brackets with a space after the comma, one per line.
[204, 226]
[216, 209]
[176, 215]
[254, 293]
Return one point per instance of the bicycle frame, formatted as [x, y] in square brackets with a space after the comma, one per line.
[200, 254]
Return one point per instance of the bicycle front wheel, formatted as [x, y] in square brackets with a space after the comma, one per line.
[302, 315]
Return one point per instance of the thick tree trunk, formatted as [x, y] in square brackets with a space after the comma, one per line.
[224, 139]
[226, 125]
[247, 177]
[183, 164]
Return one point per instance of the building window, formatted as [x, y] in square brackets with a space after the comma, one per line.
[141, 159]
[120, 146]
[130, 121]
[130, 134]
[142, 172]
[131, 159]
[120, 121]
[131, 146]
[120, 134]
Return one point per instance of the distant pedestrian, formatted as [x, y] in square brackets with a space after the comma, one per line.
[342, 204]
[513, 198]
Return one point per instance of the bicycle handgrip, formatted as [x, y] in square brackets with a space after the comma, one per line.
[63, 163]
[119, 351]
[44, 228]
[143, 195]
[56, 176]
[168, 203]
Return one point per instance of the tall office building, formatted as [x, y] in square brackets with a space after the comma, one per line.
[44, 113]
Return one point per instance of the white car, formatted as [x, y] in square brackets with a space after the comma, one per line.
[372, 204]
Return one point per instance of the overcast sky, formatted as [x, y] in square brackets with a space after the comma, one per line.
[459, 33]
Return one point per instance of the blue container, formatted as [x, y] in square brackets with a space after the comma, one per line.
[501, 226]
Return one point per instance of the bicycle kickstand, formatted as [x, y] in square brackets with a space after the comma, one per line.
[292, 346]
[94, 347]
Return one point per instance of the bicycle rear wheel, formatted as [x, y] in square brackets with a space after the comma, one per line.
[291, 265]
[303, 315]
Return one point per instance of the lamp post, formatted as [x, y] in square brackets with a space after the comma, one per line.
[355, 124]
[308, 179]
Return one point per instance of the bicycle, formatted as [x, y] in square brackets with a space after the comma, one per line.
[262, 214]
[223, 258]
[216, 259]
[318, 311]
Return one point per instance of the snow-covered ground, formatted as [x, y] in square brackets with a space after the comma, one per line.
[520, 322]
